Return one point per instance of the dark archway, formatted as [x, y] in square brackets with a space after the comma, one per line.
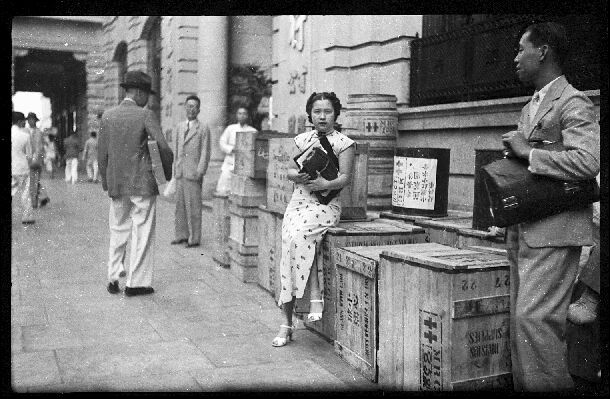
[59, 76]
[120, 58]
[152, 34]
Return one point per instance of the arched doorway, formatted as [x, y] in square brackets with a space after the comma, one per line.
[152, 34]
[120, 59]
[61, 78]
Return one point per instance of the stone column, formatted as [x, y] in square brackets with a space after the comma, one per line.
[212, 69]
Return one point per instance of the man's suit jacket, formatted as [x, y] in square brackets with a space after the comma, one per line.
[123, 158]
[565, 115]
[193, 151]
[37, 146]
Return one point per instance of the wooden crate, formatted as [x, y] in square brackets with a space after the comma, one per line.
[279, 188]
[356, 321]
[244, 153]
[269, 248]
[249, 188]
[252, 153]
[443, 321]
[444, 230]
[243, 266]
[244, 224]
[275, 274]
[351, 234]
[471, 237]
[354, 196]
[220, 230]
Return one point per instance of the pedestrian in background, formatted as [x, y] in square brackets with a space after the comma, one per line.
[21, 157]
[72, 147]
[192, 151]
[50, 153]
[544, 254]
[126, 170]
[227, 144]
[37, 190]
[90, 157]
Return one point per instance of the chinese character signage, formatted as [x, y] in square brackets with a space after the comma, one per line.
[414, 183]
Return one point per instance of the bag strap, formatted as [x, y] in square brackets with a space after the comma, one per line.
[329, 150]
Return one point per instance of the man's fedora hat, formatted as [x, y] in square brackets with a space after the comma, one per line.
[32, 115]
[18, 116]
[139, 80]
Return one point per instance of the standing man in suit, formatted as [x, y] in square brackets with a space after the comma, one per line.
[544, 254]
[192, 149]
[126, 171]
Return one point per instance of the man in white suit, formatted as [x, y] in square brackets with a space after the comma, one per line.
[192, 150]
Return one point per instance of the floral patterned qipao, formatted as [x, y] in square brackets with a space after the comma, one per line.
[305, 222]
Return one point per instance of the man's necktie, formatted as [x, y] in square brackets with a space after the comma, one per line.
[188, 127]
[534, 106]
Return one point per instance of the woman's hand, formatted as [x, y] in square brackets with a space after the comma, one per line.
[317, 184]
[300, 178]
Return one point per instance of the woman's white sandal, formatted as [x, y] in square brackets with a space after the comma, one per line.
[311, 317]
[281, 341]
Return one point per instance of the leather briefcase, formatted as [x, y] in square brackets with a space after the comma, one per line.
[516, 195]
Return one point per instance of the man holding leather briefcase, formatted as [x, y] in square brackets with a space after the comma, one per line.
[544, 253]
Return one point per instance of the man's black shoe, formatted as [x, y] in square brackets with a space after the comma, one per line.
[113, 287]
[133, 291]
[192, 245]
[44, 202]
[181, 241]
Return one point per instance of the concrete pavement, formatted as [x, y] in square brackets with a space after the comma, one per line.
[202, 329]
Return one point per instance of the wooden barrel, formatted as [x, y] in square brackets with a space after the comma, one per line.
[481, 216]
[421, 181]
[373, 119]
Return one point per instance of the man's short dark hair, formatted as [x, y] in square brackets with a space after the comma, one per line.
[552, 34]
[193, 97]
[93, 134]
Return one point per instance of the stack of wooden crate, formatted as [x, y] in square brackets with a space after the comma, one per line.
[350, 234]
[247, 193]
[425, 316]
[220, 230]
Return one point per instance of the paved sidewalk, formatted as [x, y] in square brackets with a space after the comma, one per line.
[202, 329]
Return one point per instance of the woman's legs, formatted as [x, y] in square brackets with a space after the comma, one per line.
[314, 289]
[287, 309]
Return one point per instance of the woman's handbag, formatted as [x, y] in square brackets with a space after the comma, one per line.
[516, 195]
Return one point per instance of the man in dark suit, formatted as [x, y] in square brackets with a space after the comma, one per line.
[192, 150]
[126, 171]
[544, 254]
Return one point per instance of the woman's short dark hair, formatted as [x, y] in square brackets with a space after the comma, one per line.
[332, 97]
[193, 97]
[552, 34]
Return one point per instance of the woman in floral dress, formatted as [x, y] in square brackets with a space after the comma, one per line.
[306, 219]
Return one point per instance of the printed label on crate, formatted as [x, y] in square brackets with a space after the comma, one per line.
[414, 183]
[355, 311]
[430, 351]
[378, 126]
[481, 346]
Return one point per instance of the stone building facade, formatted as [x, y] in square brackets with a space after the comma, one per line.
[348, 54]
